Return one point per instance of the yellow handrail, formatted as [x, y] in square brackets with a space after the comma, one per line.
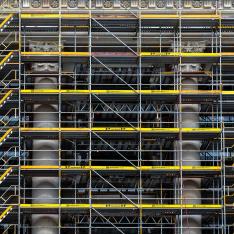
[6, 20]
[142, 16]
[55, 53]
[3, 137]
[6, 58]
[142, 54]
[4, 175]
[5, 212]
[125, 129]
[122, 206]
[5, 96]
[123, 168]
[120, 92]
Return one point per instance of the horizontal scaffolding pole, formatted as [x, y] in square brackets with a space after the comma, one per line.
[123, 16]
[125, 129]
[123, 92]
[124, 168]
[51, 53]
[142, 54]
[122, 206]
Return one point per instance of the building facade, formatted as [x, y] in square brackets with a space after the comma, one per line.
[116, 116]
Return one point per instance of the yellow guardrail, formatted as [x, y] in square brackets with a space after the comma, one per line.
[125, 129]
[228, 92]
[5, 174]
[9, 16]
[184, 54]
[5, 97]
[204, 72]
[124, 168]
[55, 53]
[120, 92]
[177, 54]
[5, 135]
[142, 54]
[180, 16]
[122, 206]
[142, 16]
[56, 91]
[54, 16]
[126, 92]
[4, 60]
[5, 212]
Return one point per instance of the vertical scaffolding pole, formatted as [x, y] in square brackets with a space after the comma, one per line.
[139, 75]
[90, 114]
[222, 135]
[60, 116]
[19, 225]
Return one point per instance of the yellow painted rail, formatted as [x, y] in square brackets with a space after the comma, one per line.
[177, 54]
[5, 135]
[142, 54]
[4, 60]
[6, 20]
[125, 129]
[56, 91]
[123, 168]
[56, 53]
[204, 72]
[142, 16]
[126, 92]
[5, 174]
[120, 92]
[182, 16]
[54, 16]
[184, 54]
[5, 97]
[121, 206]
[5, 212]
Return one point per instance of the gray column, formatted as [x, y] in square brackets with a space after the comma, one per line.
[191, 193]
[45, 152]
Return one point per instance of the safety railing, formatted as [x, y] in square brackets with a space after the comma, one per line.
[5, 42]
[9, 118]
[9, 79]
[5, 59]
[5, 212]
[8, 195]
[6, 96]
[6, 174]
[5, 135]
[7, 156]
[6, 21]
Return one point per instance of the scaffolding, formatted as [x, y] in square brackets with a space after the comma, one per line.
[118, 98]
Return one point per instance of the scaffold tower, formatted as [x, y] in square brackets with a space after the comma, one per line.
[116, 116]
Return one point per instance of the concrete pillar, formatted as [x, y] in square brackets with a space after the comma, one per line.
[45, 152]
[191, 193]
